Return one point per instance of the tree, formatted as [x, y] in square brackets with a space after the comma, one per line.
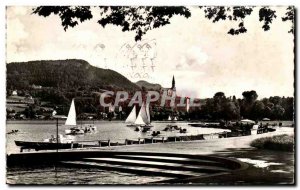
[219, 95]
[250, 96]
[29, 112]
[288, 105]
[278, 112]
[258, 110]
[275, 100]
[141, 19]
[231, 111]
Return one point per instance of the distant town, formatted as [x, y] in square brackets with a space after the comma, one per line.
[40, 102]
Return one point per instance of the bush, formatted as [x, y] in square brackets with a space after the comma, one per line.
[279, 142]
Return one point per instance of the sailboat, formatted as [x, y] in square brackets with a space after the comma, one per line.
[71, 121]
[131, 118]
[58, 142]
[143, 118]
[169, 118]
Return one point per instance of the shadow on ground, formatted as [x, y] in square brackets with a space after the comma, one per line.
[266, 167]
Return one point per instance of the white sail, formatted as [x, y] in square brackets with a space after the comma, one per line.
[71, 120]
[175, 118]
[142, 117]
[132, 116]
[148, 113]
[169, 118]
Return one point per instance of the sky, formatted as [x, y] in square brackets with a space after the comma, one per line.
[200, 54]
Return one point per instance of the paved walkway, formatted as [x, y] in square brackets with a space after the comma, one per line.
[208, 146]
[266, 167]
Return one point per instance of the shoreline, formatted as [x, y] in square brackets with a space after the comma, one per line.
[265, 166]
[49, 121]
[207, 146]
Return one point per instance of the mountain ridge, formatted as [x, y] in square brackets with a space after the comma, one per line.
[148, 85]
[72, 73]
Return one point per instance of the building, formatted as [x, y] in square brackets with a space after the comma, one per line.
[36, 86]
[14, 93]
[170, 91]
[14, 99]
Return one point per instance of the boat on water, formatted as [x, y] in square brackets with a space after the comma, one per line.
[71, 121]
[89, 128]
[131, 118]
[143, 118]
[60, 142]
[182, 130]
[172, 118]
[208, 125]
[12, 132]
[155, 133]
[48, 144]
[45, 145]
[142, 121]
[171, 128]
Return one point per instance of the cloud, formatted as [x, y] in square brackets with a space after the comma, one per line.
[192, 58]
[201, 55]
[16, 37]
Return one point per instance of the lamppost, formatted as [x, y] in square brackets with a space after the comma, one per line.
[57, 117]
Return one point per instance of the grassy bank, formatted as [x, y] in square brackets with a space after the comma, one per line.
[279, 142]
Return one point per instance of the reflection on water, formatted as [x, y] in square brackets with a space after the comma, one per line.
[115, 131]
[52, 175]
[259, 163]
[266, 164]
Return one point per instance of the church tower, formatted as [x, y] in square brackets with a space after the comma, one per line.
[171, 91]
[173, 84]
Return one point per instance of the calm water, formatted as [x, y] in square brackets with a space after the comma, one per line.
[52, 175]
[115, 131]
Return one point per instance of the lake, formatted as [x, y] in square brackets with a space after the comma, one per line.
[114, 130]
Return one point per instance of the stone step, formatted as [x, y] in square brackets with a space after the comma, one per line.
[147, 171]
[159, 164]
[179, 160]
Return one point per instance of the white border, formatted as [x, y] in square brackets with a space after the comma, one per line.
[5, 3]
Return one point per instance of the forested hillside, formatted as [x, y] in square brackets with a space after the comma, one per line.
[64, 74]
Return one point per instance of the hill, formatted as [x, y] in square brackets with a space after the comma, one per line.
[65, 74]
[147, 85]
